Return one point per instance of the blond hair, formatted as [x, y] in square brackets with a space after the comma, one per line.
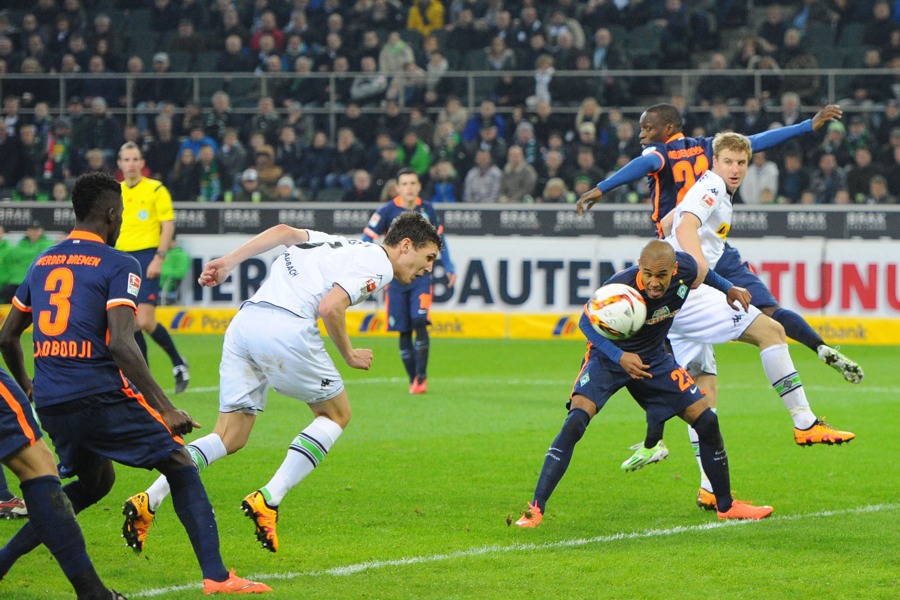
[734, 142]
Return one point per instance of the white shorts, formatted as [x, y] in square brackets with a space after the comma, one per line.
[267, 347]
[704, 320]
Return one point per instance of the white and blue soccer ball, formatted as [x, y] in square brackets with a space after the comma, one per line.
[616, 311]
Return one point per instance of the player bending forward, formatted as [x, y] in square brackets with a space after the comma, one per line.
[274, 341]
[642, 364]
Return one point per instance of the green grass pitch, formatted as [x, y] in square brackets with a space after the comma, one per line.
[414, 499]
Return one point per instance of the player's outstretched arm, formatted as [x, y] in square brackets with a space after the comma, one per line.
[216, 271]
[125, 352]
[333, 310]
[588, 200]
[831, 112]
[645, 164]
[687, 232]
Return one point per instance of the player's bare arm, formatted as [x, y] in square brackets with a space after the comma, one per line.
[587, 200]
[15, 324]
[333, 309]
[665, 224]
[687, 232]
[831, 112]
[634, 366]
[125, 352]
[216, 271]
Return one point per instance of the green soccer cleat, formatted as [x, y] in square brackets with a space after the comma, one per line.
[645, 456]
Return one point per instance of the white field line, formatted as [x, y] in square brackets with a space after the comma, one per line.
[522, 546]
[724, 385]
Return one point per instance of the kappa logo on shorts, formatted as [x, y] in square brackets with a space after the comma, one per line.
[736, 319]
[326, 383]
[134, 284]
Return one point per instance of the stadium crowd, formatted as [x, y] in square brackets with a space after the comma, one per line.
[535, 133]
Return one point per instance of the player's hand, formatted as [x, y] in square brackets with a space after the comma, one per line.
[587, 200]
[214, 273]
[451, 279]
[739, 295]
[831, 112]
[360, 358]
[634, 366]
[179, 422]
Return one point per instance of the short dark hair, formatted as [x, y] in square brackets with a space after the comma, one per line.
[406, 171]
[414, 226]
[669, 113]
[93, 190]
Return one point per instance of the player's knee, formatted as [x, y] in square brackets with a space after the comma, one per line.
[707, 426]
[420, 326]
[98, 484]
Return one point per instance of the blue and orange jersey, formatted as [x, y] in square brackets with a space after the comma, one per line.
[674, 166]
[382, 218]
[650, 339]
[65, 290]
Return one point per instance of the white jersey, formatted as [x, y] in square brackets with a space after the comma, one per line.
[708, 200]
[304, 273]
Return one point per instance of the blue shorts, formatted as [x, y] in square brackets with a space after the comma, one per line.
[409, 303]
[117, 425]
[670, 391]
[18, 426]
[149, 293]
[738, 272]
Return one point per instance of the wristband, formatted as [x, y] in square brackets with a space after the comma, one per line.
[161, 255]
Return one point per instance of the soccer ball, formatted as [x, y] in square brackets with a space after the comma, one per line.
[616, 311]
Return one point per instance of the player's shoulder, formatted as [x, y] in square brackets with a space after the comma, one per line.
[685, 262]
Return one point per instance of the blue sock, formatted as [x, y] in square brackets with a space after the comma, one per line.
[713, 457]
[560, 453]
[407, 355]
[26, 539]
[655, 431]
[51, 516]
[422, 341]
[161, 336]
[142, 344]
[196, 514]
[798, 329]
[5, 493]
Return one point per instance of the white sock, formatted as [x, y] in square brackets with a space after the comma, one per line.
[204, 452]
[780, 371]
[695, 444]
[305, 453]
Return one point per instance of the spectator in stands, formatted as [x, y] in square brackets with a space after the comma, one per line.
[317, 163]
[265, 51]
[268, 25]
[60, 192]
[760, 184]
[524, 139]
[185, 180]
[774, 26]
[46, 11]
[878, 191]
[454, 112]
[791, 56]
[878, 30]
[20, 257]
[384, 15]
[388, 164]
[408, 86]
[527, 27]
[394, 55]
[793, 179]
[38, 50]
[32, 153]
[163, 16]
[585, 166]
[103, 30]
[602, 155]
[266, 121]
[437, 85]
[545, 121]
[789, 110]
[754, 119]
[482, 183]
[558, 24]
[249, 189]
[392, 119]
[720, 118]
[886, 124]
[286, 191]
[99, 130]
[288, 151]
[235, 58]
[553, 165]
[187, 38]
[860, 173]
[195, 12]
[308, 91]
[59, 149]
[160, 152]
[369, 88]
[211, 175]
[870, 87]
[465, 34]
[713, 83]
[833, 143]
[111, 90]
[57, 40]
[443, 183]
[556, 192]
[362, 190]
[77, 46]
[198, 139]
[28, 191]
[349, 157]
[828, 179]
[414, 153]
[425, 16]
[268, 170]
[232, 156]
[627, 141]
[518, 179]
[608, 55]
[227, 25]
